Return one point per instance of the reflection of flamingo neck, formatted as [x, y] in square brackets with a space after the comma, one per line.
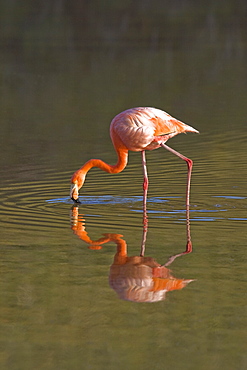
[78, 226]
[121, 255]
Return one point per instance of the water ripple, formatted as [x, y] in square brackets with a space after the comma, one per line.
[45, 203]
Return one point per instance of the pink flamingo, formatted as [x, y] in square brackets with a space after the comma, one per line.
[137, 129]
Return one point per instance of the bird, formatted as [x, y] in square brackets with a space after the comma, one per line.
[137, 129]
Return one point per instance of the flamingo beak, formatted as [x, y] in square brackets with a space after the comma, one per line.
[74, 193]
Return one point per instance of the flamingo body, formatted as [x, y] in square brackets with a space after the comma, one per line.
[136, 129]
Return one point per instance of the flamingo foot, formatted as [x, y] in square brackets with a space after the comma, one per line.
[76, 201]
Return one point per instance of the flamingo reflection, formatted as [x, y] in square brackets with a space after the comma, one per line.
[134, 278]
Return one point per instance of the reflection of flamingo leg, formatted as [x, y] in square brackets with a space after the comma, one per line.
[144, 238]
[189, 242]
[145, 188]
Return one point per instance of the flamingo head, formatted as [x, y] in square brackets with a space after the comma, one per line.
[77, 181]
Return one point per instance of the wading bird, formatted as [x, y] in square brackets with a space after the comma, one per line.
[137, 129]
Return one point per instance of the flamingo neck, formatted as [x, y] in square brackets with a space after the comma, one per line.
[79, 175]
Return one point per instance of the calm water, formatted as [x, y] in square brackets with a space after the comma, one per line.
[75, 293]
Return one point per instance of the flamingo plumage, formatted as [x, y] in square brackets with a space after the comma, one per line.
[137, 129]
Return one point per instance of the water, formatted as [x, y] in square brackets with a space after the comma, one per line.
[71, 277]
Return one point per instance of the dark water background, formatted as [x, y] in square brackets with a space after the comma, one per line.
[67, 68]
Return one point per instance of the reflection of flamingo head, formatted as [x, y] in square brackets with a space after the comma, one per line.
[142, 279]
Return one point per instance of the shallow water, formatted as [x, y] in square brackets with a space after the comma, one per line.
[75, 293]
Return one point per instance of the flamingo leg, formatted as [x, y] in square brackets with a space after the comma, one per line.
[189, 165]
[145, 187]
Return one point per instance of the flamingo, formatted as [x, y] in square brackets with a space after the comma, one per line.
[137, 129]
